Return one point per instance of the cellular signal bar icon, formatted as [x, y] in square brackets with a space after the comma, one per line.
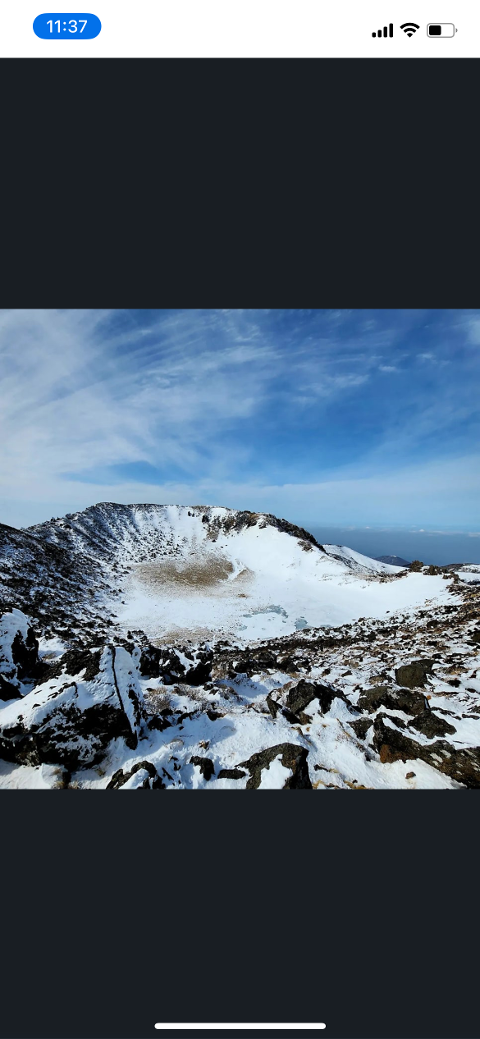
[385, 32]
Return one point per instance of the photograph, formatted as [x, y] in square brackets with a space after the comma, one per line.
[240, 550]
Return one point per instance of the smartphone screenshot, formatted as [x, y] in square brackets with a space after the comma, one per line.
[239, 520]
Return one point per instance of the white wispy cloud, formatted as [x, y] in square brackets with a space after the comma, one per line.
[74, 399]
[445, 490]
[88, 391]
[78, 395]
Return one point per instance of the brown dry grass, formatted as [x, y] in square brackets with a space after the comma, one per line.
[200, 574]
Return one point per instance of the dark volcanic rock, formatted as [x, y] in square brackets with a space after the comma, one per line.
[161, 663]
[9, 690]
[151, 781]
[250, 662]
[205, 765]
[461, 765]
[414, 674]
[361, 726]
[304, 692]
[273, 706]
[201, 669]
[74, 662]
[292, 757]
[395, 699]
[231, 773]
[165, 663]
[431, 725]
[159, 721]
[25, 652]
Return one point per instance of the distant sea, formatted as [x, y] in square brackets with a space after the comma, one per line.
[428, 546]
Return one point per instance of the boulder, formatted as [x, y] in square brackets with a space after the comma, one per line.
[361, 726]
[201, 668]
[431, 725]
[293, 757]
[273, 706]
[396, 699]
[302, 693]
[143, 776]
[9, 690]
[205, 765]
[298, 695]
[231, 773]
[414, 675]
[164, 663]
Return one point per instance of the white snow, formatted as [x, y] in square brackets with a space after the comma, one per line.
[51, 648]
[10, 624]
[61, 693]
[27, 777]
[470, 576]
[136, 780]
[259, 583]
[275, 775]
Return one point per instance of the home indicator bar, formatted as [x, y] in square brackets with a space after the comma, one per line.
[175, 1026]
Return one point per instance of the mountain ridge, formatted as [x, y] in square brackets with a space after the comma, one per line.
[94, 552]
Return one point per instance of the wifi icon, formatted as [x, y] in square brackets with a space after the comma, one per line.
[409, 28]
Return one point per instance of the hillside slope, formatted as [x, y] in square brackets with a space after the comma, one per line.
[176, 572]
[149, 647]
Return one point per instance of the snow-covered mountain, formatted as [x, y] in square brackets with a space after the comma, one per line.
[177, 572]
[154, 646]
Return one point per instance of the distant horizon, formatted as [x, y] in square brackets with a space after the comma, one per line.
[428, 546]
[354, 418]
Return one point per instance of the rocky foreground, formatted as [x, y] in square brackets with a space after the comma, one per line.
[371, 704]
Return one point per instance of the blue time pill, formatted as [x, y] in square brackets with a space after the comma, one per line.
[67, 26]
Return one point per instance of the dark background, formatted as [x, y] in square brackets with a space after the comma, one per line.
[231, 184]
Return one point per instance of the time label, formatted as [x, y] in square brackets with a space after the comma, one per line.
[67, 26]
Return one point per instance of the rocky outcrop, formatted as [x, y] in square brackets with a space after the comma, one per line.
[143, 776]
[72, 720]
[431, 725]
[291, 757]
[414, 675]
[361, 726]
[9, 690]
[393, 745]
[18, 653]
[176, 665]
[294, 697]
[396, 699]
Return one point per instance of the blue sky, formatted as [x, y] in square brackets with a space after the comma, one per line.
[367, 418]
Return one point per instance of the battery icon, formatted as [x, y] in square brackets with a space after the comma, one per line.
[441, 29]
